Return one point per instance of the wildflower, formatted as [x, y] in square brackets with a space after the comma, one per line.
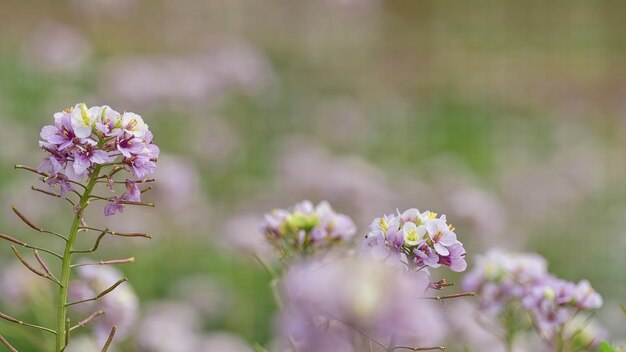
[305, 228]
[141, 164]
[134, 125]
[61, 134]
[367, 297]
[418, 240]
[82, 138]
[116, 204]
[83, 120]
[129, 145]
[503, 280]
[83, 159]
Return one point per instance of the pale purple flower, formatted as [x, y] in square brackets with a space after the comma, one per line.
[455, 259]
[129, 145]
[505, 279]
[425, 256]
[83, 159]
[586, 297]
[113, 206]
[116, 204]
[62, 182]
[441, 235]
[142, 165]
[51, 164]
[417, 240]
[306, 228]
[365, 297]
[82, 138]
[121, 305]
[109, 123]
[61, 134]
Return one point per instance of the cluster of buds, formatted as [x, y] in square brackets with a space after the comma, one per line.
[503, 279]
[83, 138]
[416, 240]
[306, 228]
[87, 147]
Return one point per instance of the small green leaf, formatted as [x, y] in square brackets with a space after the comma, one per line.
[606, 347]
[624, 309]
[260, 348]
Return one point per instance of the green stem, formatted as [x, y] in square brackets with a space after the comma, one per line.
[67, 262]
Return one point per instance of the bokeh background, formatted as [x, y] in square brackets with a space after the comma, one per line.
[509, 116]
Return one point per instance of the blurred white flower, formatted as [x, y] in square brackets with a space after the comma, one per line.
[83, 343]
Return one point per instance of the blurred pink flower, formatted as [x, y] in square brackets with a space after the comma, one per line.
[349, 182]
[198, 79]
[169, 327]
[223, 342]
[56, 47]
[121, 306]
[18, 286]
[366, 296]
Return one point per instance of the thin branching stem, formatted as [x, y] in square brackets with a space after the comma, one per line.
[107, 344]
[106, 262]
[67, 261]
[43, 265]
[102, 294]
[19, 322]
[124, 182]
[141, 204]
[114, 233]
[33, 226]
[26, 245]
[457, 295]
[97, 244]
[359, 331]
[52, 194]
[31, 169]
[32, 268]
[87, 320]
[435, 348]
[7, 344]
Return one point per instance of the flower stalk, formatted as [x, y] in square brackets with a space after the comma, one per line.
[83, 147]
[67, 261]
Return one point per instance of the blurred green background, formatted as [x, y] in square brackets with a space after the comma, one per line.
[509, 117]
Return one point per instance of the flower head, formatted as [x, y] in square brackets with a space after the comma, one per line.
[366, 299]
[503, 279]
[83, 138]
[416, 239]
[305, 228]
